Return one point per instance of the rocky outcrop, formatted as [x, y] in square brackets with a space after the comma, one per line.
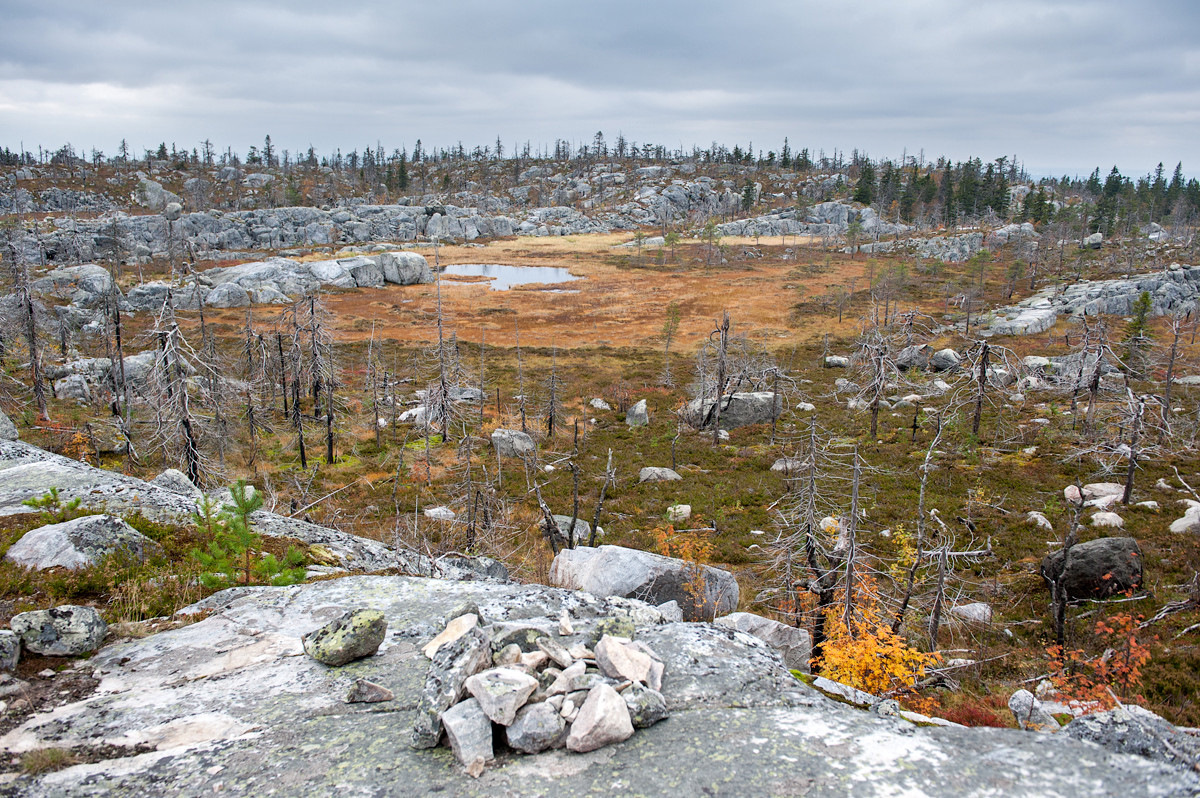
[79, 543]
[1097, 568]
[27, 472]
[794, 645]
[951, 249]
[229, 704]
[703, 592]
[1174, 290]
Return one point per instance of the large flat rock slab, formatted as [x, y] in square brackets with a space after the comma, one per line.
[231, 704]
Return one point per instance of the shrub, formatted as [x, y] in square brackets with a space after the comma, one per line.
[235, 555]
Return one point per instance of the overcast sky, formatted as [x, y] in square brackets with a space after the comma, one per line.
[1065, 86]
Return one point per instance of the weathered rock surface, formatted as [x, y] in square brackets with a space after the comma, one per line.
[536, 728]
[10, 650]
[501, 692]
[176, 480]
[8, 430]
[470, 734]
[1174, 290]
[603, 720]
[1097, 568]
[637, 415]
[63, 631]
[27, 472]
[365, 692]
[618, 571]
[79, 543]
[1131, 729]
[737, 410]
[658, 474]
[445, 683]
[228, 703]
[357, 634]
[513, 443]
[794, 645]
[1030, 714]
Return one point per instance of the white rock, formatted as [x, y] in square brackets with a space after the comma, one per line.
[602, 720]
[440, 514]
[501, 692]
[679, 512]
[978, 612]
[454, 630]
[1108, 520]
[1035, 517]
[618, 660]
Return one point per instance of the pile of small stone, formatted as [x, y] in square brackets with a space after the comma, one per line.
[535, 691]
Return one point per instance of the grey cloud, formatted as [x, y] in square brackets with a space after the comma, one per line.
[1047, 80]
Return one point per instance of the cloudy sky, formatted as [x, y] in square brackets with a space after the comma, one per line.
[1065, 86]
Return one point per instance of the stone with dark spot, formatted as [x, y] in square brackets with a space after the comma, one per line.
[65, 631]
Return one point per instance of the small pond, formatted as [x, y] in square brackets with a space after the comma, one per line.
[502, 277]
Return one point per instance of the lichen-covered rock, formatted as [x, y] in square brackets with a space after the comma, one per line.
[10, 650]
[945, 360]
[619, 571]
[658, 474]
[8, 430]
[637, 415]
[232, 706]
[445, 683]
[793, 644]
[536, 728]
[176, 480]
[1028, 711]
[1131, 729]
[1097, 568]
[65, 631]
[740, 409]
[79, 543]
[355, 635]
[513, 443]
[646, 706]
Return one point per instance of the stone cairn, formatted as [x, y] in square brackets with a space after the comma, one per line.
[534, 693]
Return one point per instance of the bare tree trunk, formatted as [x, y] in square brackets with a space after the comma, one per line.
[981, 388]
[1138, 406]
[935, 617]
[722, 356]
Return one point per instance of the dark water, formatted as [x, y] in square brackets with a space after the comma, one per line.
[503, 277]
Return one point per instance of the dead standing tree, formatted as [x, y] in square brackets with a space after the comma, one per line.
[28, 312]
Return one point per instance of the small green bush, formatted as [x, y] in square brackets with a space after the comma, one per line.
[234, 556]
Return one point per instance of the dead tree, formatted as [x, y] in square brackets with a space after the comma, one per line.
[28, 320]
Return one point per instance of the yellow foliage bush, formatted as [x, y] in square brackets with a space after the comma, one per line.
[865, 654]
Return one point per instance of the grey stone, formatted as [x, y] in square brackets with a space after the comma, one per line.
[837, 362]
[793, 644]
[357, 634]
[536, 728]
[737, 410]
[445, 683]
[79, 543]
[646, 706]
[619, 571]
[404, 268]
[365, 692]
[913, 357]
[618, 660]
[73, 387]
[64, 631]
[977, 612]
[1097, 568]
[582, 528]
[366, 273]
[658, 474]
[175, 480]
[469, 732]
[1131, 729]
[1093, 241]
[10, 650]
[945, 360]
[501, 692]
[599, 404]
[233, 705]
[638, 415]
[228, 295]
[1028, 711]
[172, 211]
[513, 443]
[602, 720]
[8, 430]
